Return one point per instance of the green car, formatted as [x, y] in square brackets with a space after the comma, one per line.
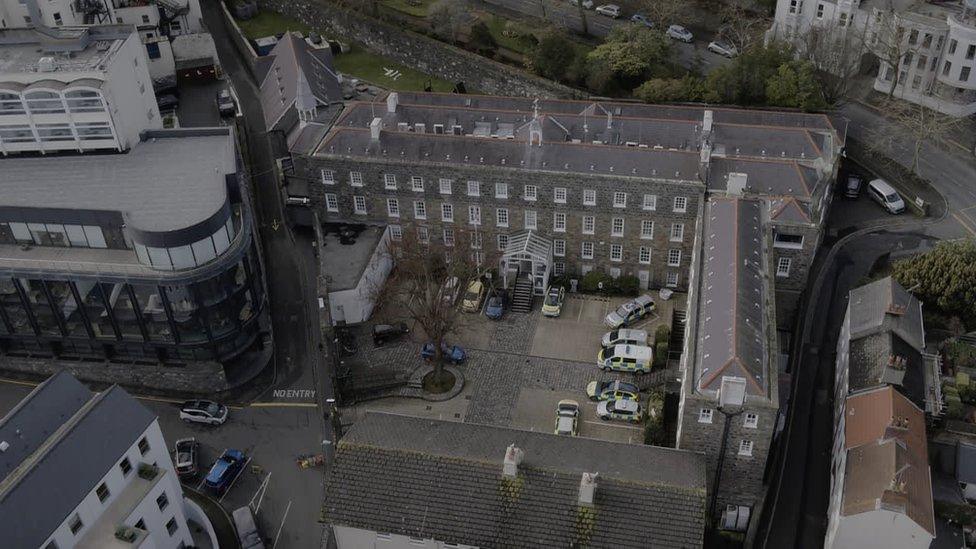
[612, 390]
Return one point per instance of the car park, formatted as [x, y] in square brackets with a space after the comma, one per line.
[452, 353]
[553, 304]
[247, 528]
[612, 390]
[624, 336]
[630, 312]
[609, 10]
[886, 195]
[623, 409]
[225, 103]
[567, 418]
[495, 307]
[626, 358]
[225, 470]
[680, 33]
[473, 296]
[185, 456]
[203, 411]
[642, 19]
[587, 4]
[722, 48]
[384, 333]
[853, 185]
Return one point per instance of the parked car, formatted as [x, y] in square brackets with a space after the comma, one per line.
[553, 304]
[587, 4]
[167, 102]
[449, 291]
[247, 528]
[203, 411]
[630, 312]
[722, 48]
[680, 33]
[453, 353]
[886, 195]
[642, 19]
[567, 418]
[225, 469]
[853, 184]
[384, 333]
[473, 296]
[495, 307]
[626, 358]
[610, 10]
[185, 456]
[624, 336]
[612, 390]
[622, 408]
[225, 103]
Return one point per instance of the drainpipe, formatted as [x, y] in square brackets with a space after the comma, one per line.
[721, 459]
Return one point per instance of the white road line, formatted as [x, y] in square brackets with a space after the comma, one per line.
[282, 525]
[610, 424]
[231, 485]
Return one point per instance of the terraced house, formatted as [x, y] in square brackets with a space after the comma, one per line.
[612, 186]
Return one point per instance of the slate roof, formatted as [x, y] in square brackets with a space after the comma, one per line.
[884, 305]
[443, 480]
[733, 332]
[789, 209]
[57, 469]
[966, 462]
[291, 58]
[884, 358]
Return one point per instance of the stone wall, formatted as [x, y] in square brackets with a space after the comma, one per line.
[193, 378]
[420, 52]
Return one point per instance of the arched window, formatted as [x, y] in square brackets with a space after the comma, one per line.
[43, 102]
[10, 103]
[84, 101]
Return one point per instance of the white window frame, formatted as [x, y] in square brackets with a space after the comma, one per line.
[558, 269]
[328, 176]
[671, 279]
[558, 222]
[502, 240]
[396, 232]
[356, 179]
[448, 237]
[650, 203]
[589, 197]
[647, 229]
[586, 250]
[359, 206]
[619, 199]
[559, 248]
[419, 209]
[389, 182]
[331, 202]
[751, 420]
[417, 184]
[447, 212]
[423, 235]
[745, 448]
[677, 232]
[616, 253]
[501, 190]
[777, 243]
[591, 221]
[501, 217]
[680, 204]
[783, 266]
[674, 257]
[705, 415]
[559, 195]
[530, 193]
[533, 216]
[617, 226]
[392, 207]
[644, 255]
[474, 188]
[474, 215]
[476, 240]
[445, 185]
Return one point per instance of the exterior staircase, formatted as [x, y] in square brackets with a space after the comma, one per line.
[522, 296]
[676, 345]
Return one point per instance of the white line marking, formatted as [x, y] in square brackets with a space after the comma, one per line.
[231, 485]
[282, 525]
[611, 424]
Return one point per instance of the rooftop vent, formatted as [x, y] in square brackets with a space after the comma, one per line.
[736, 184]
[707, 122]
[4, 445]
[46, 64]
[374, 128]
[392, 101]
[587, 488]
[513, 457]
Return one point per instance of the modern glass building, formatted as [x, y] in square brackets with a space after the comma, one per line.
[146, 255]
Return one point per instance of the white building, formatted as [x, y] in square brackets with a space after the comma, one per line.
[74, 89]
[933, 45]
[82, 469]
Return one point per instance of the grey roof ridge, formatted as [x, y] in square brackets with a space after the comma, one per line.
[50, 444]
[23, 402]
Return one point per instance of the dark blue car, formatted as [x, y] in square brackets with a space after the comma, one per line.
[225, 469]
[452, 353]
[495, 307]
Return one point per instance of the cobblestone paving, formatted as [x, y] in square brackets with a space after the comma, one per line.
[514, 333]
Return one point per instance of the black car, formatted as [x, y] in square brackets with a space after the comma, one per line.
[853, 186]
[167, 102]
[383, 333]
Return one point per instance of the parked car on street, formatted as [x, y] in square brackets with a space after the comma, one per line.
[384, 333]
[203, 411]
[626, 358]
[623, 408]
[853, 185]
[722, 48]
[225, 103]
[567, 418]
[612, 390]
[452, 353]
[610, 10]
[587, 4]
[642, 19]
[225, 470]
[631, 311]
[553, 304]
[167, 102]
[624, 336]
[495, 307]
[473, 296]
[886, 195]
[185, 457]
[680, 33]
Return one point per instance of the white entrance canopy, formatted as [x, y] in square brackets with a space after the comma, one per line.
[527, 255]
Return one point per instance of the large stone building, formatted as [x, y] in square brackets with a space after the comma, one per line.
[612, 186]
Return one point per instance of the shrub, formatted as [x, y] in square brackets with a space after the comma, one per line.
[661, 354]
[655, 432]
[481, 40]
[627, 285]
[662, 334]
[591, 281]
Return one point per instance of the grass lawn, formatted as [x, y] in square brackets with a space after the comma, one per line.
[268, 23]
[416, 8]
[363, 64]
[496, 26]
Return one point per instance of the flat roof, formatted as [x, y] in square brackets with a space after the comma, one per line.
[90, 48]
[343, 264]
[170, 180]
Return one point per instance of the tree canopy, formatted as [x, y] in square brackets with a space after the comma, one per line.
[944, 277]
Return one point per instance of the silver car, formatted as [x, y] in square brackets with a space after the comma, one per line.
[722, 48]
[680, 33]
[630, 312]
[203, 411]
[610, 10]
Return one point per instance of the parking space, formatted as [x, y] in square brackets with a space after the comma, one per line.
[535, 410]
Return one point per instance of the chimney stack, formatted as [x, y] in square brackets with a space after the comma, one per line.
[707, 123]
[374, 128]
[513, 457]
[736, 185]
[587, 488]
[392, 101]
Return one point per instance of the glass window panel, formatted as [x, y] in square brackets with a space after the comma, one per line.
[58, 234]
[125, 315]
[10, 300]
[76, 235]
[160, 258]
[203, 251]
[95, 308]
[21, 232]
[153, 313]
[186, 314]
[182, 257]
[95, 237]
[142, 254]
[221, 242]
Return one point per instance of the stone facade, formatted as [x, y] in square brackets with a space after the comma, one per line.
[420, 52]
[665, 235]
[791, 282]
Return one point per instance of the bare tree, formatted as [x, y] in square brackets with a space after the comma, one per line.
[919, 123]
[836, 53]
[888, 42]
[740, 27]
[447, 19]
[425, 282]
[663, 12]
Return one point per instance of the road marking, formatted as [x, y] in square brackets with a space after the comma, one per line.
[964, 224]
[609, 424]
[282, 525]
[283, 405]
[233, 482]
[18, 382]
[163, 400]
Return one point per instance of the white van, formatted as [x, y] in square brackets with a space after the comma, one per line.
[886, 195]
[624, 336]
[247, 529]
[626, 358]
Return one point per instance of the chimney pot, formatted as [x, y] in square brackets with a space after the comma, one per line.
[374, 128]
[513, 457]
[392, 101]
[707, 122]
[587, 488]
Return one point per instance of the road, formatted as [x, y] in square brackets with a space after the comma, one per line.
[563, 14]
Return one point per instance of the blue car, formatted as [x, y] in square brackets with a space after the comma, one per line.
[225, 469]
[495, 307]
[452, 353]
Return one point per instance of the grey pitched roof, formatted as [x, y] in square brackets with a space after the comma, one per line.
[64, 465]
[885, 305]
[289, 59]
[443, 480]
[193, 163]
[765, 177]
[966, 462]
[733, 332]
[884, 358]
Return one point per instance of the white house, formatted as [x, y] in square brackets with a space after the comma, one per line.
[82, 469]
